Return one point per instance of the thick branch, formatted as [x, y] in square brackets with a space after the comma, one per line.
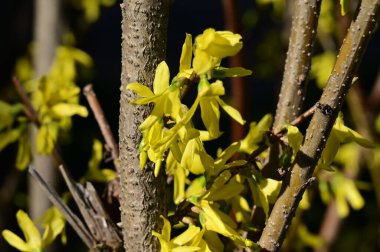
[144, 32]
[321, 124]
[297, 64]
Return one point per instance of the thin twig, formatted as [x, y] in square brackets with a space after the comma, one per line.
[29, 110]
[303, 116]
[104, 126]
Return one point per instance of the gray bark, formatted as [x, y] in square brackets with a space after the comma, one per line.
[144, 32]
[297, 65]
[46, 39]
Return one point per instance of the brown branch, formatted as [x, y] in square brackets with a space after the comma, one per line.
[96, 108]
[238, 89]
[303, 116]
[29, 109]
[321, 124]
[297, 67]
[297, 64]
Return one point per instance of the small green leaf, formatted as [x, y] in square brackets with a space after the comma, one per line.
[222, 72]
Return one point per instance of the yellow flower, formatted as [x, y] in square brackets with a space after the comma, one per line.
[187, 241]
[165, 97]
[221, 162]
[24, 154]
[196, 187]
[219, 44]
[209, 53]
[225, 187]
[340, 133]
[55, 102]
[64, 65]
[179, 176]
[219, 222]
[195, 158]
[167, 104]
[53, 222]
[91, 8]
[346, 193]
[212, 46]
[241, 209]
[94, 173]
[8, 114]
[209, 103]
[256, 134]
[186, 56]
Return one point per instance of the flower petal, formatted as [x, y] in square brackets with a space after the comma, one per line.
[235, 114]
[31, 233]
[161, 79]
[140, 89]
[15, 241]
[69, 109]
[187, 52]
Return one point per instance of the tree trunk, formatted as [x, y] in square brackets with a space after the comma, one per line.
[144, 35]
[46, 38]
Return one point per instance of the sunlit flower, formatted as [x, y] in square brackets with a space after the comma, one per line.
[212, 46]
[209, 102]
[187, 241]
[52, 221]
[94, 173]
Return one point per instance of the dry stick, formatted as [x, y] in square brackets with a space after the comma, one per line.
[321, 124]
[96, 108]
[297, 64]
[73, 219]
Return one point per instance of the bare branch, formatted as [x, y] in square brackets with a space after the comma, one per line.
[322, 122]
[29, 110]
[297, 64]
[104, 126]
